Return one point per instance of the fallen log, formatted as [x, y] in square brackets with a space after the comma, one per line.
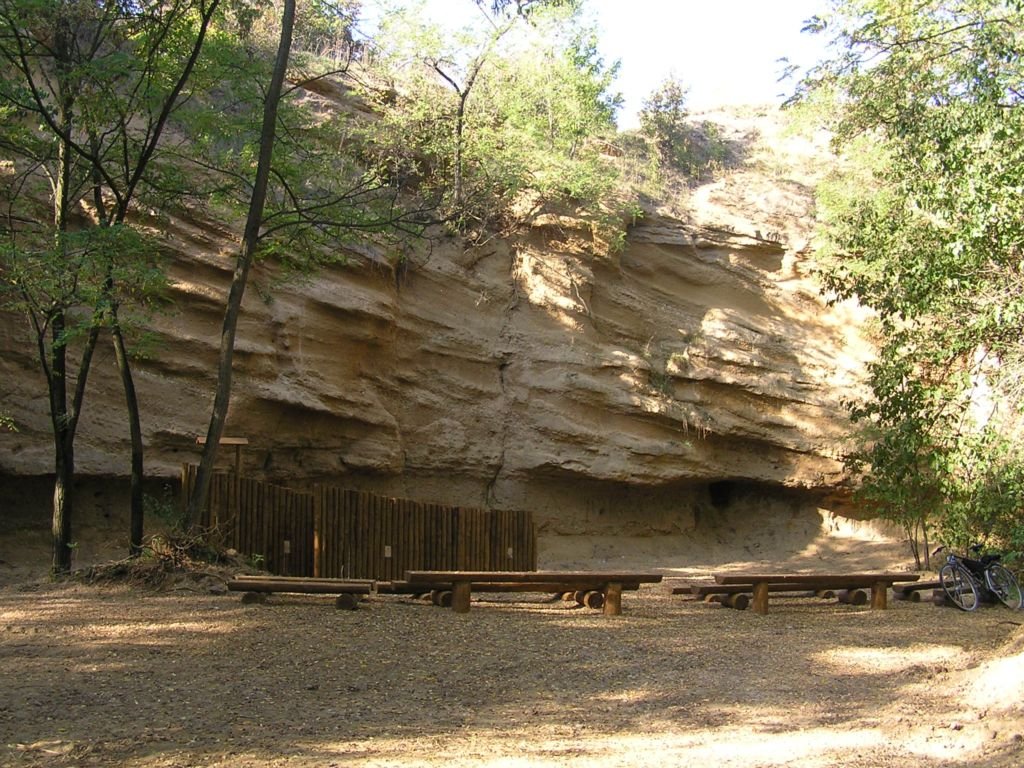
[911, 592]
[853, 596]
[346, 601]
[738, 600]
[717, 593]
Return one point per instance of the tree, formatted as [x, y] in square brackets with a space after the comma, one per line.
[517, 120]
[663, 116]
[463, 87]
[88, 90]
[694, 149]
[523, 7]
[243, 264]
[308, 198]
[926, 227]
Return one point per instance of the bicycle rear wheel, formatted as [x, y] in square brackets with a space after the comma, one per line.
[1003, 585]
[958, 584]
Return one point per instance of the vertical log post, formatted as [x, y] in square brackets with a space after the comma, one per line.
[761, 597]
[233, 510]
[460, 596]
[879, 592]
[613, 599]
[318, 527]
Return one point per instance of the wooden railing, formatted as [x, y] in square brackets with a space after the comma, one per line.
[339, 533]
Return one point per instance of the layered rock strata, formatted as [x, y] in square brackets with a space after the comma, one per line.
[630, 392]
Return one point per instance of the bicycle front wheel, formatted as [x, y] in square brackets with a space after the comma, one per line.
[959, 587]
[1003, 585]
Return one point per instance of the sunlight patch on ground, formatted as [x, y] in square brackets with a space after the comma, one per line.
[755, 748]
[947, 745]
[157, 633]
[879, 661]
[1000, 683]
[729, 749]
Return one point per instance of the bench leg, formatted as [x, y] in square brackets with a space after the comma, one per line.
[613, 600]
[879, 592]
[760, 604]
[460, 596]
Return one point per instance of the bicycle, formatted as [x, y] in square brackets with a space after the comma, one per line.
[966, 581]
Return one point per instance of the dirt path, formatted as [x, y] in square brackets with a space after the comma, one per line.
[101, 676]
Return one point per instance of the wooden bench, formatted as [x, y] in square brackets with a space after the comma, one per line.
[761, 584]
[258, 587]
[737, 595]
[440, 593]
[705, 590]
[463, 583]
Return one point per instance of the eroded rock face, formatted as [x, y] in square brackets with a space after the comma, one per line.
[533, 373]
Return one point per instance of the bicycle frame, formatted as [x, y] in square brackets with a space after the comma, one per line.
[979, 579]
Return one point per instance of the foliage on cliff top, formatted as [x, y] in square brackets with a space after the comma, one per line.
[482, 118]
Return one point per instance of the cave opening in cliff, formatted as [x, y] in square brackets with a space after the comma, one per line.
[721, 493]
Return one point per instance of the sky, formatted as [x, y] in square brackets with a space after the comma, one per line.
[725, 51]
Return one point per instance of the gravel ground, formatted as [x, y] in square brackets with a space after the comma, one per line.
[119, 676]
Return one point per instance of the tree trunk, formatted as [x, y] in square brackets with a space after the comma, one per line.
[460, 118]
[927, 549]
[137, 510]
[64, 466]
[137, 498]
[63, 422]
[64, 452]
[250, 241]
[458, 174]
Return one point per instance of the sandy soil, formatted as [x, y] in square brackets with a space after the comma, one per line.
[102, 675]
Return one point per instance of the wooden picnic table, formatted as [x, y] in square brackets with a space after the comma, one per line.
[462, 583]
[761, 584]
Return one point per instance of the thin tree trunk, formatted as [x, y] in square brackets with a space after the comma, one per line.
[137, 511]
[137, 497]
[460, 121]
[927, 546]
[63, 422]
[463, 91]
[63, 495]
[250, 241]
[64, 451]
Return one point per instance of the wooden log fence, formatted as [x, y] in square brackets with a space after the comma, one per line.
[340, 533]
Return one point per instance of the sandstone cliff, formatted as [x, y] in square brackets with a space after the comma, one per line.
[696, 369]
